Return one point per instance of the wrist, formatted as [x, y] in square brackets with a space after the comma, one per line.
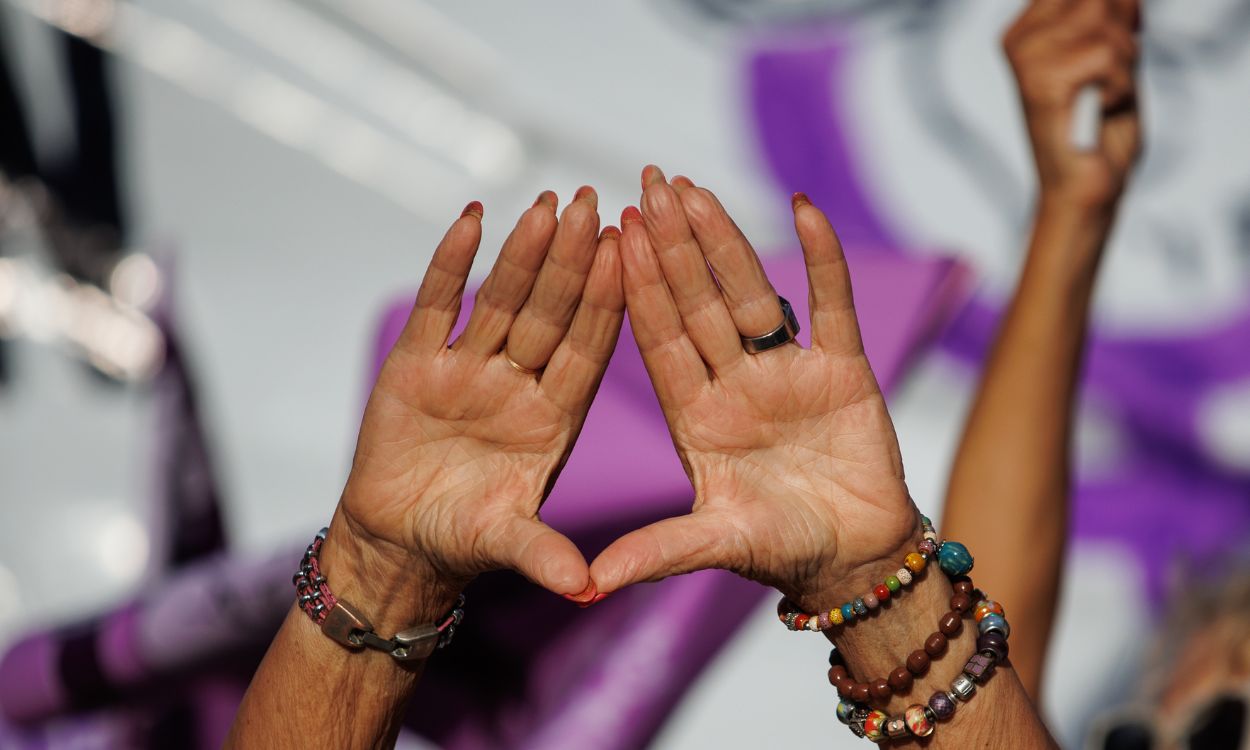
[392, 586]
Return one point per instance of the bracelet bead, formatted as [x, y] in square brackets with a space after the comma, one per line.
[844, 711]
[893, 584]
[860, 692]
[880, 689]
[848, 612]
[950, 624]
[914, 562]
[963, 586]
[881, 591]
[986, 607]
[901, 680]
[992, 623]
[961, 603]
[896, 728]
[837, 672]
[835, 616]
[935, 644]
[870, 600]
[823, 622]
[844, 689]
[954, 559]
[927, 547]
[874, 725]
[918, 721]
[904, 576]
[963, 688]
[993, 643]
[918, 662]
[979, 668]
[942, 705]
[859, 607]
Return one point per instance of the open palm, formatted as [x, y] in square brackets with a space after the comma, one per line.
[791, 451]
[459, 446]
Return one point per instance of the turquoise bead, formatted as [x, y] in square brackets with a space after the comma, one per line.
[848, 612]
[844, 711]
[861, 609]
[954, 559]
[994, 622]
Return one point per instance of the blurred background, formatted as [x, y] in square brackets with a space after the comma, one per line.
[208, 208]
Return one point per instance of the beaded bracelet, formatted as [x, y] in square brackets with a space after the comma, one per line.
[920, 720]
[953, 558]
[341, 622]
[900, 679]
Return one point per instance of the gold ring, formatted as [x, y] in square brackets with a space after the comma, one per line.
[519, 368]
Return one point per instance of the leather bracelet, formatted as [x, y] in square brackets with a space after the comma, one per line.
[344, 624]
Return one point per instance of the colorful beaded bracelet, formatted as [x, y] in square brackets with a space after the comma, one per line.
[920, 720]
[901, 678]
[953, 558]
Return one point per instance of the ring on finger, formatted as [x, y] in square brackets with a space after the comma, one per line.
[782, 334]
[519, 367]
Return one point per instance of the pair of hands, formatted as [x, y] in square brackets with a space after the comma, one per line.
[797, 477]
[793, 459]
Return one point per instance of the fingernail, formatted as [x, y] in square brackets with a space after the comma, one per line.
[598, 598]
[474, 208]
[610, 233]
[799, 199]
[631, 213]
[681, 182]
[548, 199]
[586, 597]
[651, 175]
[586, 193]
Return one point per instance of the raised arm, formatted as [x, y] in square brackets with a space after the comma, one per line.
[1010, 482]
[797, 474]
[458, 448]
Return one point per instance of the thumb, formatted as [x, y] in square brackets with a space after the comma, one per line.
[667, 548]
[543, 555]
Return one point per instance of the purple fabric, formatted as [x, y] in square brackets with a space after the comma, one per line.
[1168, 500]
[29, 683]
[609, 676]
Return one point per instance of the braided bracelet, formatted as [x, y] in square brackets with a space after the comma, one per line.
[953, 558]
[342, 623]
[920, 720]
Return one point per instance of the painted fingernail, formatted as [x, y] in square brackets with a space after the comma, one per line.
[799, 199]
[586, 596]
[610, 233]
[598, 598]
[588, 194]
[651, 175]
[548, 199]
[631, 213]
[474, 208]
[681, 182]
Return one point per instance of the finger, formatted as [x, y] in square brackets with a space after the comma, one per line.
[835, 327]
[578, 364]
[667, 548]
[702, 308]
[541, 554]
[544, 320]
[438, 301]
[750, 296]
[677, 371]
[510, 281]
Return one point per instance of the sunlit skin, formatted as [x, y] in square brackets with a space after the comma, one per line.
[792, 455]
[458, 448]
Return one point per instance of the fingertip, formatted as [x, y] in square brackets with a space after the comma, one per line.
[798, 200]
[681, 183]
[473, 209]
[547, 198]
[631, 215]
[587, 193]
[651, 175]
[609, 233]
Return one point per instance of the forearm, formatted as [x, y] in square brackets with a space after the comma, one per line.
[310, 687]
[1009, 485]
